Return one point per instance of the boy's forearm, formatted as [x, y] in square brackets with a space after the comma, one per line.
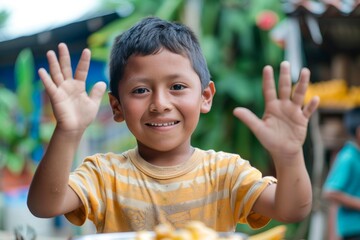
[294, 190]
[50, 183]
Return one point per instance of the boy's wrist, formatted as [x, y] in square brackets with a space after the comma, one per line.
[69, 134]
[288, 159]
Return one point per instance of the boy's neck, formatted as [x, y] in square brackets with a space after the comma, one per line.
[166, 158]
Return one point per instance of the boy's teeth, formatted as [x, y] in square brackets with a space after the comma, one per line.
[162, 124]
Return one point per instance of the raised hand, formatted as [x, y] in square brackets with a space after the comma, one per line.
[283, 127]
[73, 108]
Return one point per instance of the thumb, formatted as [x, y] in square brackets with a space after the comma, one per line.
[98, 91]
[249, 118]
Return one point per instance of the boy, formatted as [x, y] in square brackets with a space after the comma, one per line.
[342, 185]
[159, 85]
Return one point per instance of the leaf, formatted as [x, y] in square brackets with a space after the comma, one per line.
[24, 73]
[107, 33]
[209, 17]
[8, 100]
[242, 135]
[260, 159]
[14, 162]
[8, 131]
[237, 86]
[46, 131]
[100, 53]
[210, 49]
[3, 151]
[26, 146]
[168, 9]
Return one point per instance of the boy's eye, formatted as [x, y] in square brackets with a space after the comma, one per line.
[177, 87]
[140, 90]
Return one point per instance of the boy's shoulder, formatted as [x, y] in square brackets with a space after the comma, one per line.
[110, 157]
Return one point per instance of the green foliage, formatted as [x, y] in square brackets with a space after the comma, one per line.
[24, 75]
[14, 144]
[236, 51]
[16, 117]
[7, 106]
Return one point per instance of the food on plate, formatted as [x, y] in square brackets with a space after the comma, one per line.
[193, 230]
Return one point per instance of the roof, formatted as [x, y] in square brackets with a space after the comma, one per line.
[74, 34]
[322, 10]
[337, 25]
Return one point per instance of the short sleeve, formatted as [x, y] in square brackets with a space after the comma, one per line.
[248, 184]
[256, 220]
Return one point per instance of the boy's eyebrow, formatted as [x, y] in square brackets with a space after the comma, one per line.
[147, 79]
[175, 76]
[138, 79]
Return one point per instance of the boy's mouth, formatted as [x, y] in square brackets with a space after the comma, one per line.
[162, 124]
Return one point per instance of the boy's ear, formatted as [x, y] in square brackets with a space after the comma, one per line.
[208, 95]
[116, 108]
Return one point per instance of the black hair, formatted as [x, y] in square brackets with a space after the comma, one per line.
[149, 36]
[352, 120]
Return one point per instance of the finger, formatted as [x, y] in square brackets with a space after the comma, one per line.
[249, 118]
[65, 61]
[49, 85]
[310, 108]
[55, 70]
[98, 91]
[82, 68]
[269, 84]
[284, 81]
[301, 87]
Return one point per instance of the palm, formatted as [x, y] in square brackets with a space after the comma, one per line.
[283, 126]
[73, 108]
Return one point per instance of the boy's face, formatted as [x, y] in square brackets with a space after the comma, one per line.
[161, 100]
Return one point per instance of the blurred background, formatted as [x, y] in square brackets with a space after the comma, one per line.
[238, 37]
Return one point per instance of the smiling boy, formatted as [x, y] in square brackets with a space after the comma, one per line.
[159, 85]
[162, 106]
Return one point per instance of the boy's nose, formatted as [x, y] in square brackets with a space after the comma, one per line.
[160, 103]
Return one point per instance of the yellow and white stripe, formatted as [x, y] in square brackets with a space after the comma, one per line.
[125, 193]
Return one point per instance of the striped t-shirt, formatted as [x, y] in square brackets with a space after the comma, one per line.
[123, 192]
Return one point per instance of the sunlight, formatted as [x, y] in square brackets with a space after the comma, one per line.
[28, 17]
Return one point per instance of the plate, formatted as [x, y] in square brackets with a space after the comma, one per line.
[132, 235]
[109, 236]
